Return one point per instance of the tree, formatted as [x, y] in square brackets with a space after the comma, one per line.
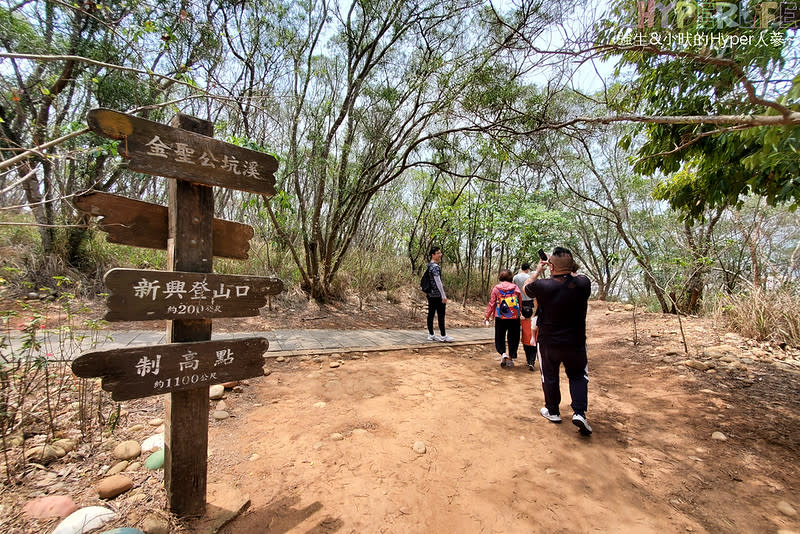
[400, 76]
[60, 61]
[728, 116]
[600, 250]
[595, 180]
[36, 98]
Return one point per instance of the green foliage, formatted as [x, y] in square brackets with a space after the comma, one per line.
[722, 170]
[718, 165]
[121, 90]
[490, 90]
[251, 144]
[18, 34]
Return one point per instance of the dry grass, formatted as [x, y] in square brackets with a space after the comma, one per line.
[764, 315]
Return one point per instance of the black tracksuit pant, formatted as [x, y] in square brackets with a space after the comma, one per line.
[575, 364]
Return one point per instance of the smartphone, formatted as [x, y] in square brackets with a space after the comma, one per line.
[542, 255]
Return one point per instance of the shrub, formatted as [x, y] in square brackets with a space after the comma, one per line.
[341, 282]
[39, 396]
[770, 315]
[16, 233]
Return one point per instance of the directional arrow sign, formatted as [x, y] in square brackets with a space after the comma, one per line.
[136, 372]
[142, 224]
[162, 150]
[144, 295]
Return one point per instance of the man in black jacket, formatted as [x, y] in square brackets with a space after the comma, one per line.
[563, 300]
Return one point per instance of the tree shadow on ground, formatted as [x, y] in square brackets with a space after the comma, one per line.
[282, 516]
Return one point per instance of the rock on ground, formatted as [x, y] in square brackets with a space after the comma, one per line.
[127, 450]
[110, 487]
[118, 468]
[44, 454]
[155, 460]
[85, 520]
[49, 506]
[155, 525]
[719, 436]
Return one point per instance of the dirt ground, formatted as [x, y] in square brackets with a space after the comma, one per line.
[322, 449]
[331, 450]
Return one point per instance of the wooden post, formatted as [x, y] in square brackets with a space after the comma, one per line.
[187, 153]
[191, 212]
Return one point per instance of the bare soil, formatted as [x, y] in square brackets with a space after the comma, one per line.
[320, 449]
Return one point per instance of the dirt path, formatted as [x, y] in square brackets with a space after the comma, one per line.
[321, 449]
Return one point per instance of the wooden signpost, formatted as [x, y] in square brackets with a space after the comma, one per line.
[188, 295]
[137, 295]
[136, 372]
[195, 156]
[142, 224]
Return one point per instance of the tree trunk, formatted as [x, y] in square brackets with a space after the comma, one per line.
[602, 291]
[692, 294]
[36, 203]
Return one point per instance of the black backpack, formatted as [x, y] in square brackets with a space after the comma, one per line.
[426, 282]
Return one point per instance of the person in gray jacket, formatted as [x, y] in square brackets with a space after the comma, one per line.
[437, 299]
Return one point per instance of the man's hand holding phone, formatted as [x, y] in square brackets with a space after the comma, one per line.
[543, 261]
[542, 255]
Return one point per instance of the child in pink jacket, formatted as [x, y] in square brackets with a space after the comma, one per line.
[504, 306]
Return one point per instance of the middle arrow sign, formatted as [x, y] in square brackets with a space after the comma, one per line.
[144, 295]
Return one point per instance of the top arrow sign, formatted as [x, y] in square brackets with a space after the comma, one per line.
[162, 150]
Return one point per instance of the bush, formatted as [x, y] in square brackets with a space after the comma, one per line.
[764, 315]
[341, 282]
[25, 272]
[365, 272]
[39, 396]
[17, 234]
[26, 269]
[100, 256]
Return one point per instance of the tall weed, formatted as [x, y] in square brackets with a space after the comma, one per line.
[365, 272]
[19, 230]
[767, 315]
[39, 397]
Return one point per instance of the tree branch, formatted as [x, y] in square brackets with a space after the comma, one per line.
[39, 149]
[745, 121]
[39, 57]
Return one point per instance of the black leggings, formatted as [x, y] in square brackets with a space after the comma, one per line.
[503, 327]
[436, 306]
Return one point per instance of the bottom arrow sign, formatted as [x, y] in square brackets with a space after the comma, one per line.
[136, 372]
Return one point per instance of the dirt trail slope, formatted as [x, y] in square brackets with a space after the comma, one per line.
[331, 449]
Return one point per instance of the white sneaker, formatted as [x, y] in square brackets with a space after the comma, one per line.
[438, 338]
[582, 424]
[446, 339]
[552, 418]
[504, 360]
[431, 337]
[510, 362]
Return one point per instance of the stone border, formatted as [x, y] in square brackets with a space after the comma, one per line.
[383, 348]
